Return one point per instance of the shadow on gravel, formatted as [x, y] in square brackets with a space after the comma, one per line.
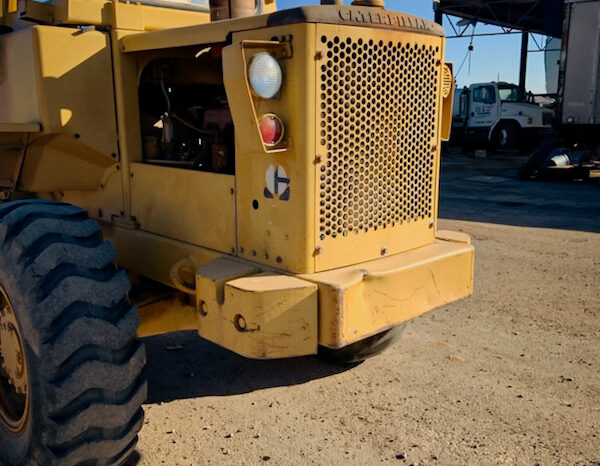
[489, 190]
[183, 365]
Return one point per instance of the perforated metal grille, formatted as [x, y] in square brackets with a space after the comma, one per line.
[378, 110]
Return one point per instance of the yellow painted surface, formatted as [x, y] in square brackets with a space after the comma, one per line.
[261, 316]
[268, 6]
[12, 147]
[140, 17]
[124, 15]
[187, 205]
[18, 89]
[78, 83]
[20, 128]
[165, 316]
[128, 116]
[362, 300]
[294, 284]
[190, 35]
[92, 12]
[102, 204]
[56, 162]
[285, 316]
[377, 133]
[454, 236]
[151, 255]
[278, 232]
[68, 98]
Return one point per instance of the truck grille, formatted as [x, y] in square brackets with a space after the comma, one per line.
[377, 129]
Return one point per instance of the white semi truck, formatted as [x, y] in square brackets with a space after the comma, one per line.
[499, 113]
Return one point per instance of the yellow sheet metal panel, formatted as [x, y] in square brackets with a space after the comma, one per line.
[219, 272]
[76, 95]
[263, 316]
[20, 128]
[275, 218]
[18, 88]
[166, 316]
[56, 162]
[128, 114]
[124, 15]
[151, 255]
[12, 148]
[85, 12]
[192, 206]
[362, 300]
[38, 12]
[139, 17]
[217, 31]
[378, 97]
[455, 236]
[104, 203]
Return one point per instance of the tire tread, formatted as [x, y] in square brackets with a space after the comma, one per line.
[81, 324]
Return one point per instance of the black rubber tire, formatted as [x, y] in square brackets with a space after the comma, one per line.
[507, 135]
[363, 349]
[84, 361]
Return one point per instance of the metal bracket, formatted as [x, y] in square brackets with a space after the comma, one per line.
[279, 49]
[38, 12]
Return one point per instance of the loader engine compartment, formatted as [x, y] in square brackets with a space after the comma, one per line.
[184, 114]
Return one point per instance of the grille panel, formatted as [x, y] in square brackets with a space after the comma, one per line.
[378, 113]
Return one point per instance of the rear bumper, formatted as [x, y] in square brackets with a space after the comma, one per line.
[266, 315]
[362, 300]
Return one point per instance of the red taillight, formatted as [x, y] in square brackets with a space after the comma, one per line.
[271, 129]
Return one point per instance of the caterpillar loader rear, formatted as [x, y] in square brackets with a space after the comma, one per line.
[266, 178]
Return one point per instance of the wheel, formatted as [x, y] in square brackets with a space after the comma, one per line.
[363, 349]
[507, 135]
[71, 384]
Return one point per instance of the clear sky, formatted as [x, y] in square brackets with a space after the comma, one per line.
[492, 56]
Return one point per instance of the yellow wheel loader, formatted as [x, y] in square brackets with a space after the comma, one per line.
[266, 178]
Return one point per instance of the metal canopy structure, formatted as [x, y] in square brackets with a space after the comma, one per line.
[538, 16]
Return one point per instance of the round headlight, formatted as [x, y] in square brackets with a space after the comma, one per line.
[265, 76]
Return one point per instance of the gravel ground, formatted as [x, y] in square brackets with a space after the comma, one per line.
[511, 375]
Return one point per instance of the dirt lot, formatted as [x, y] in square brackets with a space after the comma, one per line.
[511, 375]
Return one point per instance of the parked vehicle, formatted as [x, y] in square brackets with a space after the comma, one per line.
[269, 181]
[498, 113]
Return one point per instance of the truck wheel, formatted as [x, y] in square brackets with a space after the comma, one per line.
[71, 384]
[363, 349]
[507, 135]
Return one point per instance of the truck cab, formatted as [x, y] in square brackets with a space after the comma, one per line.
[500, 113]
